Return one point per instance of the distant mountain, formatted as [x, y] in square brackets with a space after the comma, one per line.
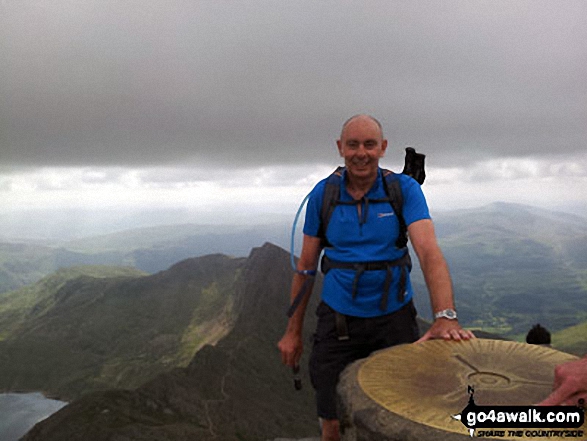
[508, 261]
[514, 266]
[22, 264]
[509, 218]
[89, 328]
[236, 390]
[149, 249]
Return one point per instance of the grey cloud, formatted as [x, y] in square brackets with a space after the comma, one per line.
[511, 169]
[5, 184]
[241, 85]
[274, 176]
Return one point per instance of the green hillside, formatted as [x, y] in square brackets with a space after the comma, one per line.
[236, 390]
[93, 328]
[573, 339]
[22, 304]
[514, 266]
[22, 264]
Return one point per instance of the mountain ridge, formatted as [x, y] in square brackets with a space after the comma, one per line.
[91, 333]
[231, 391]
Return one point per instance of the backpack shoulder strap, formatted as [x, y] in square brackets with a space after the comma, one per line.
[331, 196]
[396, 199]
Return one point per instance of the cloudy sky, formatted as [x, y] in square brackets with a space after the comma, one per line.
[185, 103]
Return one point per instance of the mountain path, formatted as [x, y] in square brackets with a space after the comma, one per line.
[226, 396]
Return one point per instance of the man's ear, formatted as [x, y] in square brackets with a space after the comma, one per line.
[339, 145]
[383, 148]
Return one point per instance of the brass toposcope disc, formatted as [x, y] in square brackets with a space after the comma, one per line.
[428, 382]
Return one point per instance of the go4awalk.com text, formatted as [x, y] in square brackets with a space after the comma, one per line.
[523, 421]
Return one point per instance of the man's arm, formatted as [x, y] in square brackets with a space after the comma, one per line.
[291, 344]
[438, 281]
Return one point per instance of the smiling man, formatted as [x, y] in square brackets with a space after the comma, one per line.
[367, 296]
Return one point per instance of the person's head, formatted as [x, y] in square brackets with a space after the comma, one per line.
[362, 144]
[538, 336]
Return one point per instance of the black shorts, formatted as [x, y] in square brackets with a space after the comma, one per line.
[330, 355]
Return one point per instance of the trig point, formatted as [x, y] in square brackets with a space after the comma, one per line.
[410, 392]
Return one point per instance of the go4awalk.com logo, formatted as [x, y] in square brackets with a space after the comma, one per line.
[522, 421]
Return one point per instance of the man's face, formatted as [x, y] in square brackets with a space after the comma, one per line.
[361, 145]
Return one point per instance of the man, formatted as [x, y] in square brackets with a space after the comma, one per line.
[364, 229]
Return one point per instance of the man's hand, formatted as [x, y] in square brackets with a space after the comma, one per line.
[291, 348]
[570, 384]
[291, 345]
[447, 330]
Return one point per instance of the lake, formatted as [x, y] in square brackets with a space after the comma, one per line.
[20, 412]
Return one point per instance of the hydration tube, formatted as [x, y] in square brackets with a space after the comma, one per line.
[292, 246]
[310, 273]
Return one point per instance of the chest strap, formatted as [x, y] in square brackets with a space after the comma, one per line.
[404, 262]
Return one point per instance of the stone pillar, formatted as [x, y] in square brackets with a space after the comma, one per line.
[411, 392]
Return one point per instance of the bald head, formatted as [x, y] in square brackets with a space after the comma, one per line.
[360, 117]
[361, 144]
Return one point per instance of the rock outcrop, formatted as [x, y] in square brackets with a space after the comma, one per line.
[235, 390]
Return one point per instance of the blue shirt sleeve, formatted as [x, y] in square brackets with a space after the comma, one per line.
[415, 206]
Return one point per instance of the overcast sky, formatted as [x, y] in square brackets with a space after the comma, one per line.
[173, 103]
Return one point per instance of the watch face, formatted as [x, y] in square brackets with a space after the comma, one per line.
[447, 313]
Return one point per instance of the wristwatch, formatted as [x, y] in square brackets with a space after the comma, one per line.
[450, 314]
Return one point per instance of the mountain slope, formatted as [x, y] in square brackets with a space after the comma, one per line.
[513, 266]
[573, 339]
[94, 333]
[22, 264]
[17, 306]
[236, 390]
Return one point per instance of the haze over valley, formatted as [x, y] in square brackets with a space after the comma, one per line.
[510, 258]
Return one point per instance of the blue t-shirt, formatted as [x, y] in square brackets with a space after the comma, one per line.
[369, 239]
